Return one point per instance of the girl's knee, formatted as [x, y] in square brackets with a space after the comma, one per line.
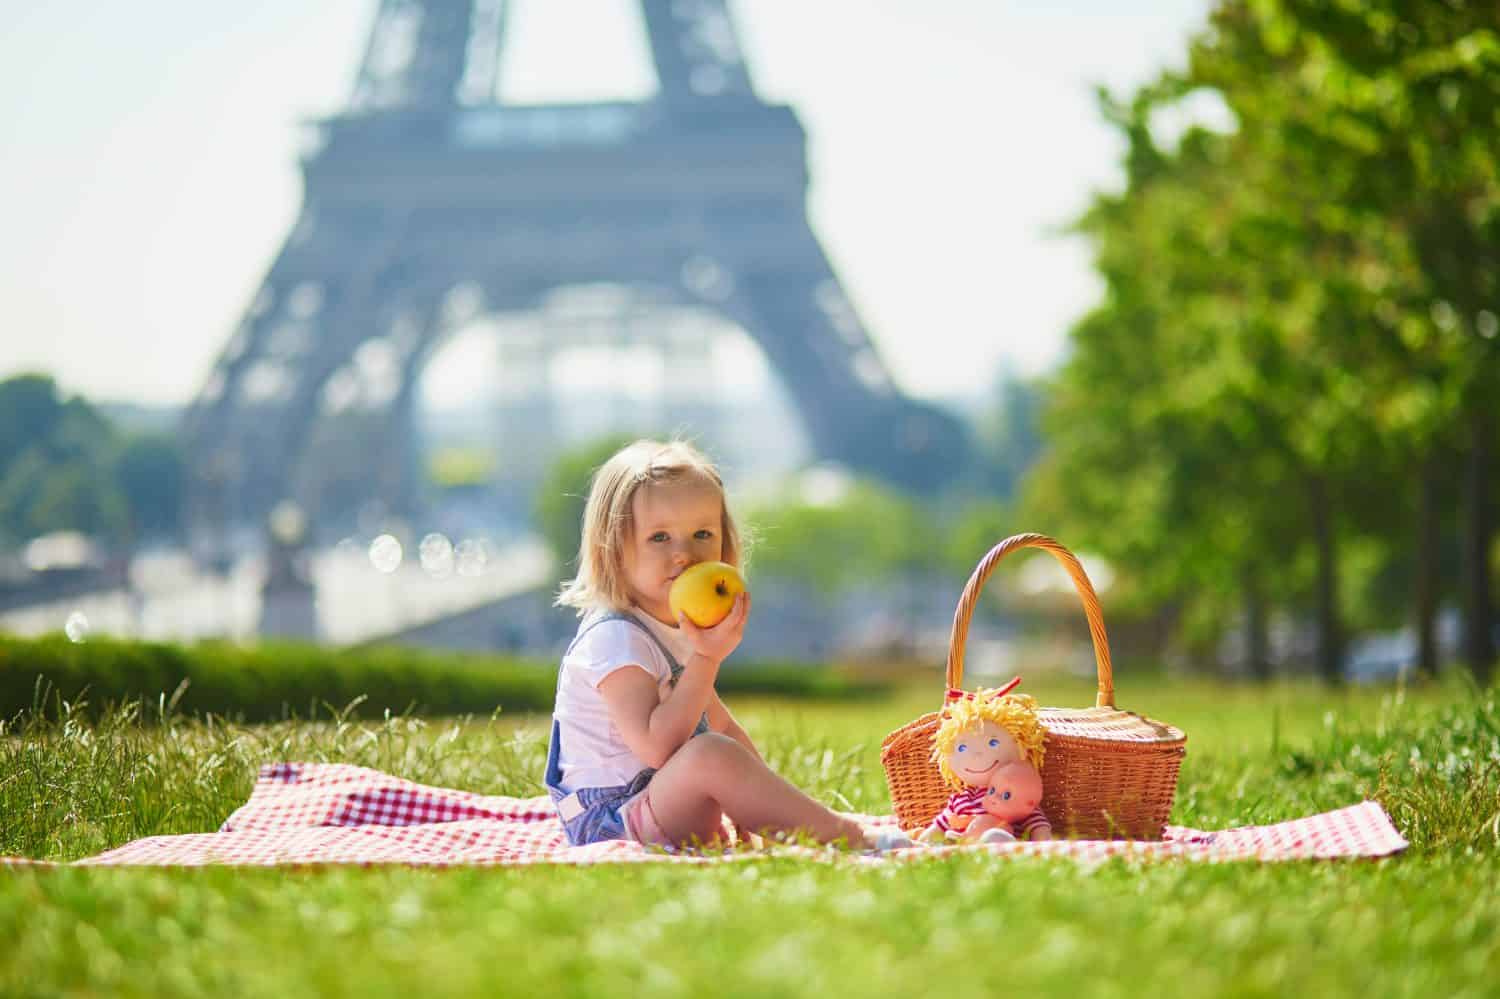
[711, 749]
[711, 744]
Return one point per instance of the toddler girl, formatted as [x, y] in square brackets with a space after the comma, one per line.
[642, 748]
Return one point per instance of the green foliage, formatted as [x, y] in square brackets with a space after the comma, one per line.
[63, 466]
[560, 499]
[1299, 312]
[277, 680]
[56, 461]
[973, 530]
[149, 471]
[1010, 435]
[869, 533]
[266, 681]
[866, 533]
[31, 410]
[457, 467]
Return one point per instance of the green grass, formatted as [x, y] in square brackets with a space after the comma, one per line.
[1425, 923]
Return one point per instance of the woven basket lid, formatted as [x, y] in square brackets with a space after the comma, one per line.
[1108, 725]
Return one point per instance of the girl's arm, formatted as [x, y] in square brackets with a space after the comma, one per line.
[721, 720]
[709, 641]
[654, 727]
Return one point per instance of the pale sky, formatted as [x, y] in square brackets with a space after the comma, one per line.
[148, 162]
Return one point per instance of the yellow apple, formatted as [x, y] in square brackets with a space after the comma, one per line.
[705, 592]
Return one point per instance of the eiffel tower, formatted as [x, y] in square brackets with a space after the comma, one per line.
[428, 201]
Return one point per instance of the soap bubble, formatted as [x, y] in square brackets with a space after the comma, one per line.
[385, 553]
[473, 557]
[76, 627]
[436, 554]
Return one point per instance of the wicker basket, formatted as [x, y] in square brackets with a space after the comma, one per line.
[1107, 774]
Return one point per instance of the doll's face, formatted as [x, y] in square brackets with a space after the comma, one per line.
[1014, 791]
[978, 753]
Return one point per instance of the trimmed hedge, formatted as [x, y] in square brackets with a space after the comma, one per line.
[278, 680]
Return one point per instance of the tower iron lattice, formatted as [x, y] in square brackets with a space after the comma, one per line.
[427, 202]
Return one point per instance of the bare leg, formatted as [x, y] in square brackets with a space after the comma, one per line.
[712, 775]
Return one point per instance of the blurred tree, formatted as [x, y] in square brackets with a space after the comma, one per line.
[868, 534]
[560, 499]
[149, 471]
[29, 409]
[1009, 435]
[461, 467]
[970, 532]
[1389, 109]
[56, 464]
[1203, 425]
[1298, 314]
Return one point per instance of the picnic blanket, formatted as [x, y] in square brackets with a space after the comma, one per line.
[333, 813]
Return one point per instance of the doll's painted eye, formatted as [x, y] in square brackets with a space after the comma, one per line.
[962, 748]
[1005, 796]
[990, 791]
[994, 743]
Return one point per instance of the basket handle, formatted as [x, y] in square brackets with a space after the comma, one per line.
[1106, 696]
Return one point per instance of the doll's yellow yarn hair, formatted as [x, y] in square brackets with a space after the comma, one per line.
[1016, 713]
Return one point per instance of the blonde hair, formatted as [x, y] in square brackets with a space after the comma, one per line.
[608, 517]
[1016, 713]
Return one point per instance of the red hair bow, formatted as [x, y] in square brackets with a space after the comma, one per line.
[959, 695]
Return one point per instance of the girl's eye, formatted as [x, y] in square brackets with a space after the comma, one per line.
[704, 534]
[659, 536]
[994, 743]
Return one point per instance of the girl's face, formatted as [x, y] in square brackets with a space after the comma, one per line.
[979, 752]
[676, 524]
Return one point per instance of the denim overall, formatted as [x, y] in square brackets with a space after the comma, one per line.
[591, 814]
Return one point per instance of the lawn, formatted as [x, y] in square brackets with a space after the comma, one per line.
[1424, 923]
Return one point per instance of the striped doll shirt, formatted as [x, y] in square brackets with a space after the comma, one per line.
[970, 802]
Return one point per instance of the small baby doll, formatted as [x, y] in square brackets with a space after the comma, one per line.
[988, 747]
[1010, 806]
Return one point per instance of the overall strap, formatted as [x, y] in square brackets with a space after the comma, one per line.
[672, 662]
[598, 618]
[592, 621]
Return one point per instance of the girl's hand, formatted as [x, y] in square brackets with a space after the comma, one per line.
[718, 642]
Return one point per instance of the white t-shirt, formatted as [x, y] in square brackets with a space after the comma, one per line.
[592, 753]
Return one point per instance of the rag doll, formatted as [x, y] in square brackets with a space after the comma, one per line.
[988, 747]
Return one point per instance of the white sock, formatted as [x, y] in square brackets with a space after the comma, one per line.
[890, 839]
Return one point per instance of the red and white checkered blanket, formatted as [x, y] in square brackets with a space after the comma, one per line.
[333, 813]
